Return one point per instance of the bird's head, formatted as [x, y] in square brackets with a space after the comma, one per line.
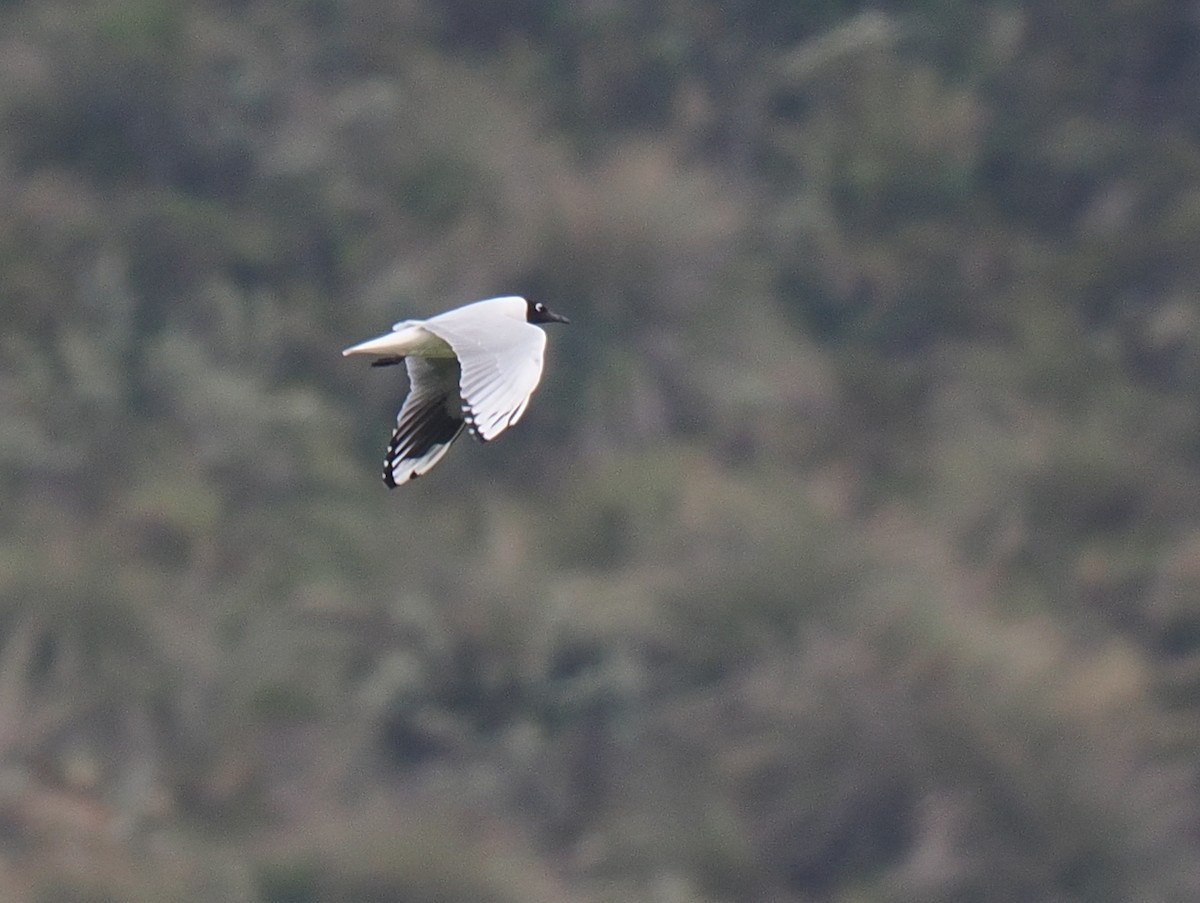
[537, 312]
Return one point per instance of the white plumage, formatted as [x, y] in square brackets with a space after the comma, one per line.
[476, 366]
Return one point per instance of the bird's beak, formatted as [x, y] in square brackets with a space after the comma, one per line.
[552, 317]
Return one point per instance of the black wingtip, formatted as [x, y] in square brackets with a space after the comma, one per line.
[389, 475]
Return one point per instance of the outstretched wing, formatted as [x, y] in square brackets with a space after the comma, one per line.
[501, 362]
[429, 420]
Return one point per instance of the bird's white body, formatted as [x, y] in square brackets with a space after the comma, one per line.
[407, 337]
[475, 366]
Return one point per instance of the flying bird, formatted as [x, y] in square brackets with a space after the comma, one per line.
[474, 366]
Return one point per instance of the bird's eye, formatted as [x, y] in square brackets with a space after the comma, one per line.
[540, 308]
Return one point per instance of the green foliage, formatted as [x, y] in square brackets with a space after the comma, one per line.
[848, 551]
[426, 861]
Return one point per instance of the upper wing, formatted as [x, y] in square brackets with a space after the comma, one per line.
[501, 362]
[429, 420]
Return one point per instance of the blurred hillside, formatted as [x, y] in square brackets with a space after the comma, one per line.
[850, 550]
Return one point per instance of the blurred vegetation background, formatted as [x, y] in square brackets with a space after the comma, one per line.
[849, 552]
